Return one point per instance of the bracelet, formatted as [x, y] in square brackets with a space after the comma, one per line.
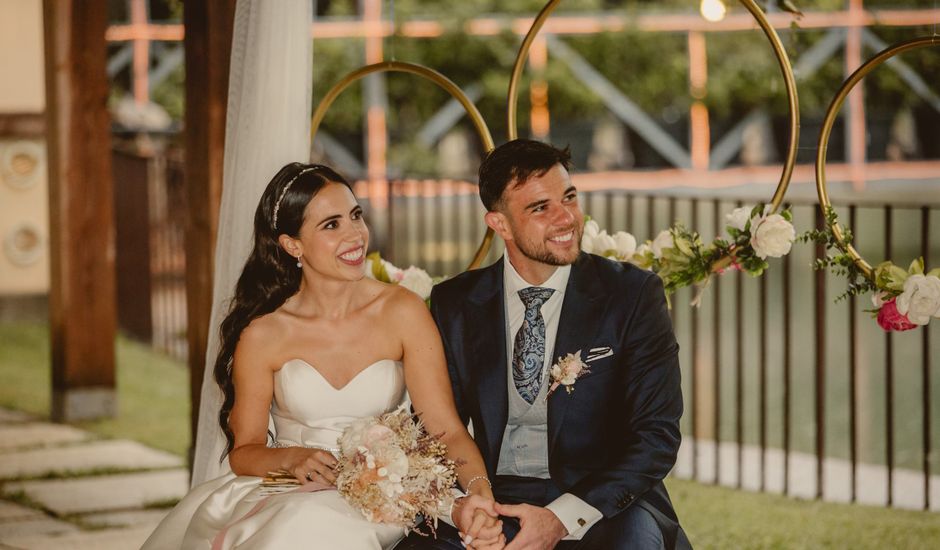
[477, 478]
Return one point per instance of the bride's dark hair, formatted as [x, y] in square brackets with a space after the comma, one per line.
[270, 275]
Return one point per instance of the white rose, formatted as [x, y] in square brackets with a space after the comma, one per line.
[604, 244]
[663, 240]
[920, 299]
[591, 229]
[587, 244]
[738, 217]
[772, 236]
[589, 235]
[418, 281]
[625, 245]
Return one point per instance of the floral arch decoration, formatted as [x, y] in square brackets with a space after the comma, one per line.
[677, 254]
[903, 299]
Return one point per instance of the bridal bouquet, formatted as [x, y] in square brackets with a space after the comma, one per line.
[392, 470]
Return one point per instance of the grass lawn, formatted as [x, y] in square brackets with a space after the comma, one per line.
[722, 518]
[154, 409]
[153, 390]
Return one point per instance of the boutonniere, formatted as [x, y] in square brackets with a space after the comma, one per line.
[566, 371]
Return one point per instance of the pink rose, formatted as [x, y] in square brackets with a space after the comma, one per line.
[377, 434]
[889, 318]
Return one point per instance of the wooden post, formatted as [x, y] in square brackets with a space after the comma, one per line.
[856, 134]
[81, 299]
[208, 44]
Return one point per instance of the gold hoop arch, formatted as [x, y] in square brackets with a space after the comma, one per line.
[824, 134]
[779, 52]
[428, 74]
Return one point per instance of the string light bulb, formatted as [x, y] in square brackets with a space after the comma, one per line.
[713, 10]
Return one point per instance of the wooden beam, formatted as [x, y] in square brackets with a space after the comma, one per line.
[22, 125]
[570, 24]
[208, 44]
[82, 296]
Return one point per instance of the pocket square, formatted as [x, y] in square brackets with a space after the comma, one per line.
[598, 353]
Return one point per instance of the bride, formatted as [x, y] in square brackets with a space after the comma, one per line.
[311, 344]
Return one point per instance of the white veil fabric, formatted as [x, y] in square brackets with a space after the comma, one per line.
[267, 126]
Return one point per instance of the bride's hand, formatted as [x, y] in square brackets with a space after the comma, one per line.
[476, 519]
[489, 535]
[315, 465]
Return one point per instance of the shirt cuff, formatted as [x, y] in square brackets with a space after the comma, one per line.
[576, 515]
[446, 518]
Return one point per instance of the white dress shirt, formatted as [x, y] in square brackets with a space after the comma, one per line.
[576, 515]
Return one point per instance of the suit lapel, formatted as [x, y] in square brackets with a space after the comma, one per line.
[488, 346]
[578, 325]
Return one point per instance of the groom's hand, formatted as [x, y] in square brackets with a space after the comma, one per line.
[476, 519]
[539, 529]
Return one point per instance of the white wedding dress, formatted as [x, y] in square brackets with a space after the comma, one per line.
[236, 512]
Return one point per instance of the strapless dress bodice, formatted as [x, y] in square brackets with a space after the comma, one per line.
[308, 411]
[232, 511]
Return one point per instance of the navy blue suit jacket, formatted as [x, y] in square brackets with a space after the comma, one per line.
[615, 437]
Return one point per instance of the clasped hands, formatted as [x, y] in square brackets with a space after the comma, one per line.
[477, 519]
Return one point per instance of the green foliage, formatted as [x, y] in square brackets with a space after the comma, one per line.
[169, 93]
[651, 69]
[887, 278]
[688, 261]
[837, 260]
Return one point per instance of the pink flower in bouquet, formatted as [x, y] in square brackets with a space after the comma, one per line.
[377, 434]
[889, 318]
[393, 471]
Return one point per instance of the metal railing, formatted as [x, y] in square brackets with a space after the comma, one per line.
[150, 205]
[786, 390]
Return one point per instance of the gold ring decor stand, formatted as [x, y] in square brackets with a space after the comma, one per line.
[435, 77]
[823, 147]
[484, 133]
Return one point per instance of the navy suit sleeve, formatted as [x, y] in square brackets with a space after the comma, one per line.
[653, 406]
[439, 310]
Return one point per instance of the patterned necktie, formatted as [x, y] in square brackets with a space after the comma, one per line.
[528, 352]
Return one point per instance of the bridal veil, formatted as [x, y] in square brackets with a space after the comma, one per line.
[267, 126]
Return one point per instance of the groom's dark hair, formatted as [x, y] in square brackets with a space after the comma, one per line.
[514, 162]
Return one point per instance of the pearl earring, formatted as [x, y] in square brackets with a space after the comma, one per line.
[298, 262]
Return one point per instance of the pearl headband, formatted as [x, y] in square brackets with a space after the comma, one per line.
[277, 205]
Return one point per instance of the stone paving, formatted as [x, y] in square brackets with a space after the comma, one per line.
[65, 488]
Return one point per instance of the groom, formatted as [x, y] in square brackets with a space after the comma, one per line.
[575, 461]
